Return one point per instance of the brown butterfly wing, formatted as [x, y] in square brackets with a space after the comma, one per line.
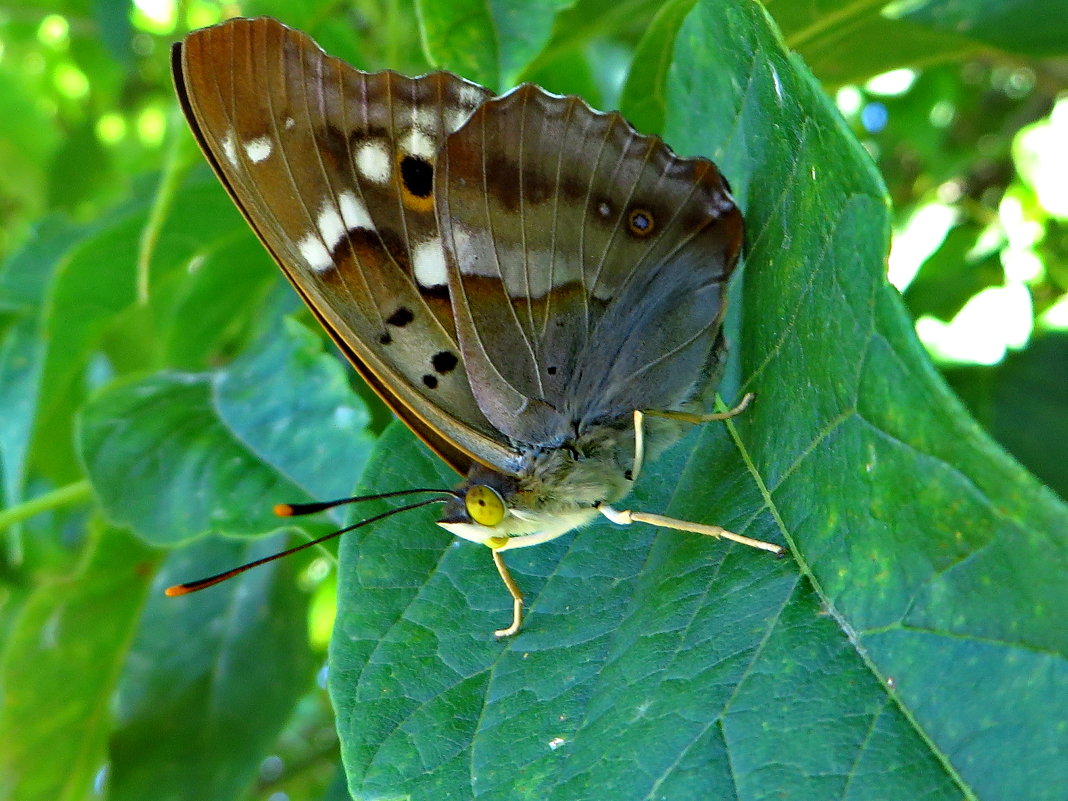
[333, 168]
[588, 263]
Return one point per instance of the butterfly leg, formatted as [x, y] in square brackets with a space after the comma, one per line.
[517, 596]
[639, 445]
[639, 429]
[625, 517]
[706, 418]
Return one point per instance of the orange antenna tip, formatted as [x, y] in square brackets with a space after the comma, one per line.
[291, 509]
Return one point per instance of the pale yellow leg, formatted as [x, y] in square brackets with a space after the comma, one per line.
[626, 517]
[517, 597]
[639, 446]
[687, 417]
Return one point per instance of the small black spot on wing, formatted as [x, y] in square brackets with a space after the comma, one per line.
[430, 381]
[401, 317]
[444, 362]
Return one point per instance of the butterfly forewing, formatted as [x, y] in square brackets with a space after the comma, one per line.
[588, 263]
[333, 168]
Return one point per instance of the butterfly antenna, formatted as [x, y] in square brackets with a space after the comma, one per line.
[200, 584]
[300, 509]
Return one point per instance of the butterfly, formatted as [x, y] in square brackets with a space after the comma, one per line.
[533, 287]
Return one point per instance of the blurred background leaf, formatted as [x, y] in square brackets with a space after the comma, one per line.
[153, 391]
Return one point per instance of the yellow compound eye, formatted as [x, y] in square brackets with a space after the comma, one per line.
[484, 504]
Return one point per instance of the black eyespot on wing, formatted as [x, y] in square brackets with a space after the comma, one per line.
[401, 317]
[417, 175]
[550, 370]
[385, 338]
[430, 381]
[640, 222]
[444, 362]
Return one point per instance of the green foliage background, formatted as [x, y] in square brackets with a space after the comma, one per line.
[160, 389]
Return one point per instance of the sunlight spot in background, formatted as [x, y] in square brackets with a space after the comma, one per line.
[54, 32]
[998, 318]
[942, 114]
[1020, 232]
[1022, 265]
[893, 83]
[1017, 221]
[1056, 316]
[913, 244]
[151, 125]
[71, 81]
[156, 16]
[1042, 159]
[991, 322]
[201, 15]
[322, 610]
[110, 128]
[849, 100]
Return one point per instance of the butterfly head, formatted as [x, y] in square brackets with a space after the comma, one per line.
[557, 489]
[501, 520]
[484, 509]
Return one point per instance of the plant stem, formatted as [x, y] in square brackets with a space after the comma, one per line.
[174, 169]
[72, 493]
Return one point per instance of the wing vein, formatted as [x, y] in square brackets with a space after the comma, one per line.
[500, 272]
[528, 298]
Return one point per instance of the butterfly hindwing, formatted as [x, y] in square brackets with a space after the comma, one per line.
[588, 263]
[334, 170]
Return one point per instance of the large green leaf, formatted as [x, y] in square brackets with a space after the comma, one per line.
[1032, 27]
[175, 455]
[460, 36]
[95, 294]
[845, 41]
[644, 102]
[932, 548]
[24, 281]
[156, 449]
[65, 655]
[488, 42]
[210, 679]
[523, 28]
[909, 648]
[98, 279]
